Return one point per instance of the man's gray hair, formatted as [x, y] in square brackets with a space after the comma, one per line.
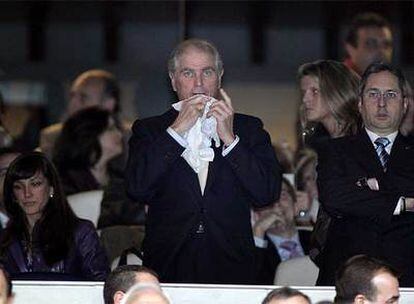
[199, 44]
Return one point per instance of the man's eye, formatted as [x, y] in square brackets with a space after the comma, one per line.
[391, 95]
[187, 74]
[373, 94]
[208, 72]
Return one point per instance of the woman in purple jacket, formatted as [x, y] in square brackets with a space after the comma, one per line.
[44, 239]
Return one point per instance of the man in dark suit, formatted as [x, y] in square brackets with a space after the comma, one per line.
[198, 226]
[366, 182]
[276, 236]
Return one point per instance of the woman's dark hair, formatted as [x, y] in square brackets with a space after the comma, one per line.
[78, 145]
[57, 224]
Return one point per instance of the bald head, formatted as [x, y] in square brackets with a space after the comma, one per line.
[145, 294]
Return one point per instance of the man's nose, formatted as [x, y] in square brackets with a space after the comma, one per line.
[199, 80]
[381, 101]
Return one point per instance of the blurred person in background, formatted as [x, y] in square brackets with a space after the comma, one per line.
[369, 39]
[92, 88]
[44, 239]
[276, 236]
[89, 140]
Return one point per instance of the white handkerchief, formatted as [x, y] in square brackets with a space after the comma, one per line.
[199, 152]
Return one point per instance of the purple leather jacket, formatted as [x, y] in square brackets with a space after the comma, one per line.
[86, 260]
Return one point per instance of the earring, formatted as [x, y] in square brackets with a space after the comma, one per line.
[51, 195]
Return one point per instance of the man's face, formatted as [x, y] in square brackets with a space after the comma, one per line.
[373, 44]
[382, 114]
[285, 210]
[195, 73]
[387, 289]
[85, 94]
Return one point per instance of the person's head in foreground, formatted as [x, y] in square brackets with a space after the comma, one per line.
[366, 280]
[122, 278]
[286, 295]
[145, 293]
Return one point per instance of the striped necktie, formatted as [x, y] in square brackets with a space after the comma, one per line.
[382, 143]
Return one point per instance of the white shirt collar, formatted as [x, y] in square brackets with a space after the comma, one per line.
[391, 137]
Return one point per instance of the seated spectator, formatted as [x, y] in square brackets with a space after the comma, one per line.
[276, 236]
[145, 294]
[363, 279]
[123, 278]
[286, 295]
[88, 141]
[44, 239]
[7, 155]
[6, 287]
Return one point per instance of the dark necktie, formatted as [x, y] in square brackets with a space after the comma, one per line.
[382, 143]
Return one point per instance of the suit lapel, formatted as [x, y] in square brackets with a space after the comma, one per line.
[212, 166]
[399, 150]
[365, 153]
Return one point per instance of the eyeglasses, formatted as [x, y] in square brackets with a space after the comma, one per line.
[375, 95]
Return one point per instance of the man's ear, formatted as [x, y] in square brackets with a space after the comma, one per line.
[172, 78]
[109, 104]
[118, 296]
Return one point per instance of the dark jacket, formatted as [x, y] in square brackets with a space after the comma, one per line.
[362, 219]
[223, 252]
[86, 260]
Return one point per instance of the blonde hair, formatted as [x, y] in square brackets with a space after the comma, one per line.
[339, 91]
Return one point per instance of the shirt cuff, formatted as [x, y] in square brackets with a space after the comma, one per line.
[260, 243]
[397, 210]
[178, 138]
[230, 147]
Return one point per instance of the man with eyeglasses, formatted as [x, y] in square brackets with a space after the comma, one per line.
[366, 181]
[368, 40]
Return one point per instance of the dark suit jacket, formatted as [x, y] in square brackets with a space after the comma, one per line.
[267, 259]
[158, 175]
[362, 219]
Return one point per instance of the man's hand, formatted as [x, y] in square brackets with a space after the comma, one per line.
[265, 220]
[191, 109]
[223, 111]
